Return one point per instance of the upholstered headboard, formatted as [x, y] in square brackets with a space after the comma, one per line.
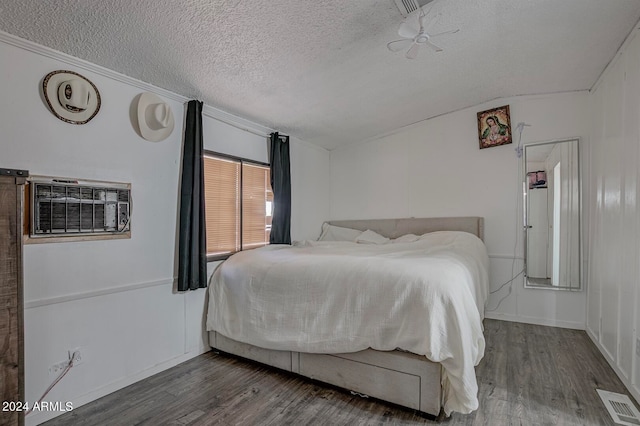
[394, 228]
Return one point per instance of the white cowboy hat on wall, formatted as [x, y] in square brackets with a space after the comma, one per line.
[155, 119]
[71, 97]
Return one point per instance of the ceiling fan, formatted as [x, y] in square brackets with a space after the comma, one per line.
[413, 38]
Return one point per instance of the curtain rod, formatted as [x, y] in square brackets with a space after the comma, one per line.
[281, 136]
[206, 112]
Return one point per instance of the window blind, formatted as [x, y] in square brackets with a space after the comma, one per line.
[255, 185]
[222, 205]
[237, 197]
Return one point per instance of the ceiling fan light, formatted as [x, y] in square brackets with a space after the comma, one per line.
[407, 31]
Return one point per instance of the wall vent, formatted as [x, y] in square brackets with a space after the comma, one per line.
[620, 408]
[408, 6]
[62, 207]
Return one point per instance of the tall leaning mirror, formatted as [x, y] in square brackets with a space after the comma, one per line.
[552, 203]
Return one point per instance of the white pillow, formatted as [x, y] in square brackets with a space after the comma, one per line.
[407, 238]
[337, 233]
[371, 237]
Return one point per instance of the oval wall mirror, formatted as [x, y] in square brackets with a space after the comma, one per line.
[552, 203]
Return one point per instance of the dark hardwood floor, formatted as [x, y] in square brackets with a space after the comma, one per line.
[530, 375]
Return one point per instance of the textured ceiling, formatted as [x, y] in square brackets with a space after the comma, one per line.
[320, 70]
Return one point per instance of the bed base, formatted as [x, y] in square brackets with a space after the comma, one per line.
[401, 378]
[398, 377]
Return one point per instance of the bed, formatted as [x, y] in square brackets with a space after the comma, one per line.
[417, 349]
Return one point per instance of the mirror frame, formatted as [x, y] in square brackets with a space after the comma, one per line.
[525, 183]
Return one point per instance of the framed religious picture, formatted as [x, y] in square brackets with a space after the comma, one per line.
[494, 127]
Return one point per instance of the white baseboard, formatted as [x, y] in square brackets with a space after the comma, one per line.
[43, 416]
[633, 390]
[534, 320]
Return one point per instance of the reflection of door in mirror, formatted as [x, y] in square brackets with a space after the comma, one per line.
[552, 229]
[557, 203]
[538, 236]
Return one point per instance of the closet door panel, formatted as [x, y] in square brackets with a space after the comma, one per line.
[11, 303]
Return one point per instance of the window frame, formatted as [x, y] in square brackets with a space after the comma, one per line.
[242, 161]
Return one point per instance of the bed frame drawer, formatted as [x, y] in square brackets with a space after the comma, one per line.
[400, 377]
[378, 382]
[279, 359]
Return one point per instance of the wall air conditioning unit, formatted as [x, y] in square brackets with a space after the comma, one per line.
[408, 6]
[66, 207]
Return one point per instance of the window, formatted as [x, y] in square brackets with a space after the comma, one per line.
[238, 200]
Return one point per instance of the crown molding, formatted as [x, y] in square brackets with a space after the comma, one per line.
[623, 48]
[207, 110]
[235, 121]
[86, 65]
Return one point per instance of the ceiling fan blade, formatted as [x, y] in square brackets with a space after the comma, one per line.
[407, 31]
[429, 6]
[444, 32]
[422, 18]
[433, 46]
[398, 45]
[427, 18]
[412, 53]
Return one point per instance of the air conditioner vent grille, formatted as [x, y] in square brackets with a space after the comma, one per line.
[620, 408]
[408, 6]
[77, 208]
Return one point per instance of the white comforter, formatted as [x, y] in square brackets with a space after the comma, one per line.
[425, 297]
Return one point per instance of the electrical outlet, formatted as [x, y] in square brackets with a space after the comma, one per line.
[57, 368]
[79, 355]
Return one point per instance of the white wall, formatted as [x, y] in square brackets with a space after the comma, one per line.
[310, 167]
[435, 168]
[114, 299]
[613, 308]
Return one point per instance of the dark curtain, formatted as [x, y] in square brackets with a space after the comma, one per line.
[192, 251]
[281, 187]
